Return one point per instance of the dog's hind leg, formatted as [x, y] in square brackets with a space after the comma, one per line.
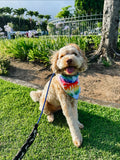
[48, 109]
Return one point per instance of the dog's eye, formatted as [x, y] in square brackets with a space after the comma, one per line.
[61, 56]
[75, 54]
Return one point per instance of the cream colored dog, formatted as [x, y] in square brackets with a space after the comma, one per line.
[68, 62]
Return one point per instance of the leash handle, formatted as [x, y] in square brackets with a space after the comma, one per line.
[33, 134]
[27, 144]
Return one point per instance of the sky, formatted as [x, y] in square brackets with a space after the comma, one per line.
[45, 7]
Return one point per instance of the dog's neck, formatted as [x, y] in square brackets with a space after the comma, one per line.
[69, 78]
[70, 84]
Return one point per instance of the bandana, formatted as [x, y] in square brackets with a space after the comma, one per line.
[70, 84]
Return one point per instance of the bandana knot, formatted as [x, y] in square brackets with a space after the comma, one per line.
[70, 84]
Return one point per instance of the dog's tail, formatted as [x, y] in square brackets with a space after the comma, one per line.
[35, 95]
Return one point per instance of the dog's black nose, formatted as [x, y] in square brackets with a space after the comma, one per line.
[69, 61]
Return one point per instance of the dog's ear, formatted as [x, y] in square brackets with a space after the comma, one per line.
[54, 59]
[83, 67]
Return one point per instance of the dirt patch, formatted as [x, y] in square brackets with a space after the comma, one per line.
[98, 83]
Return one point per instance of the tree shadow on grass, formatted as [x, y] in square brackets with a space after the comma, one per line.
[100, 133]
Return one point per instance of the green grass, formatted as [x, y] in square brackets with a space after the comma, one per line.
[18, 114]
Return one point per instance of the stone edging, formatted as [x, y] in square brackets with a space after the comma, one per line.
[20, 82]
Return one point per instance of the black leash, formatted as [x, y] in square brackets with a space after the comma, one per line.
[33, 134]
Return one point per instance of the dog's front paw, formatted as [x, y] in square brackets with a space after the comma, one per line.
[77, 141]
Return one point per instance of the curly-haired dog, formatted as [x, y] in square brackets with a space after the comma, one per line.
[64, 90]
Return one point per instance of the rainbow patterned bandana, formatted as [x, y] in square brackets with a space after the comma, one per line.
[70, 84]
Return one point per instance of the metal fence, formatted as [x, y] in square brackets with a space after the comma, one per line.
[82, 25]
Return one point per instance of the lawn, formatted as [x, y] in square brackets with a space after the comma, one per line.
[18, 114]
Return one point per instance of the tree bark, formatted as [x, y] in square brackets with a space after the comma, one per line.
[109, 38]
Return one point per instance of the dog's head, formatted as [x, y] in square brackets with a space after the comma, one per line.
[69, 60]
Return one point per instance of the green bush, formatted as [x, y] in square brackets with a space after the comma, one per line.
[33, 49]
[4, 64]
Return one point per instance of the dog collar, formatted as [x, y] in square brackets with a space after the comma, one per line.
[70, 84]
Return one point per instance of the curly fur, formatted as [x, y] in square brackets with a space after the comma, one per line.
[69, 60]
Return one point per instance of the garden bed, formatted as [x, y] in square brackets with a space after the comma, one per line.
[99, 84]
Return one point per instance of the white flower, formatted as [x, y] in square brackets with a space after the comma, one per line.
[57, 32]
[59, 24]
[7, 28]
[0, 29]
[66, 27]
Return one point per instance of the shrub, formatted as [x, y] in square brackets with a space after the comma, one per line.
[4, 64]
[33, 49]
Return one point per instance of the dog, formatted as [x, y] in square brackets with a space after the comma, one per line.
[64, 90]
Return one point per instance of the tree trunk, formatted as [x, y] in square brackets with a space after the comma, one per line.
[109, 38]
